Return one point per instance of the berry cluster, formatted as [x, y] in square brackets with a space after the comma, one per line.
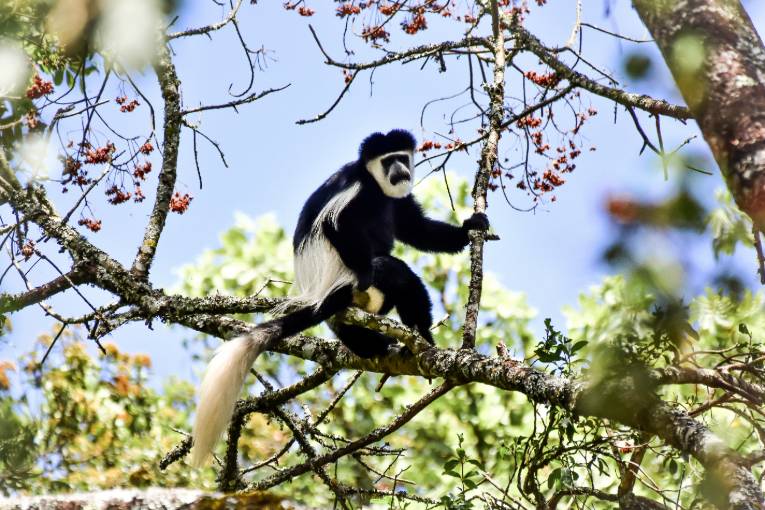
[543, 80]
[140, 170]
[98, 155]
[138, 195]
[39, 88]
[347, 9]
[417, 23]
[302, 10]
[375, 33]
[90, 224]
[117, 195]
[428, 145]
[529, 122]
[388, 9]
[28, 249]
[126, 106]
[180, 203]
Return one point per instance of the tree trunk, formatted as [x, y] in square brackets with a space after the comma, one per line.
[718, 62]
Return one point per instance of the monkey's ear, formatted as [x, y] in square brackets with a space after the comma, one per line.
[372, 146]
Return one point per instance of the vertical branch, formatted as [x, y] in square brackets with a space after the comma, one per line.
[496, 92]
[228, 479]
[170, 87]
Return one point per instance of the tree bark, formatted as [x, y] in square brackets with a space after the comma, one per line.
[718, 62]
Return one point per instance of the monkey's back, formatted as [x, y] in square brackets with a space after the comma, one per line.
[332, 187]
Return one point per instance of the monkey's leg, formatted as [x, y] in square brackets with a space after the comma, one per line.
[363, 342]
[303, 318]
[404, 290]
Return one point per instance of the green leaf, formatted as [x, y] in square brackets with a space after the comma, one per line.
[729, 225]
[451, 464]
[553, 478]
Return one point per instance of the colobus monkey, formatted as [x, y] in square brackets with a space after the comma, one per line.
[342, 245]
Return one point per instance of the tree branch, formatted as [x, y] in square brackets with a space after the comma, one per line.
[415, 53]
[496, 92]
[208, 28]
[171, 94]
[530, 42]
[374, 436]
[237, 102]
[15, 302]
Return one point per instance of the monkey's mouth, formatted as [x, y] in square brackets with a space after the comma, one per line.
[398, 177]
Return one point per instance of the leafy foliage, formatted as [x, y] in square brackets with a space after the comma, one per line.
[729, 225]
[94, 421]
[88, 421]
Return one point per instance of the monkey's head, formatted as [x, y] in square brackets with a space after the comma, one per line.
[389, 158]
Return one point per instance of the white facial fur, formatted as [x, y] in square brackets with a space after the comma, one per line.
[400, 189]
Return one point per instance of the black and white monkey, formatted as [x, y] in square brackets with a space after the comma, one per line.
[342, 243]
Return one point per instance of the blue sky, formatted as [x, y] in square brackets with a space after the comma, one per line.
[551, 254]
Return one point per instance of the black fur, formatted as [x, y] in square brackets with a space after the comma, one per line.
[363, 237]
[378, 144]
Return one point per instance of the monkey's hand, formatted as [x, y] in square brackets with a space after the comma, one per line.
[478, 221]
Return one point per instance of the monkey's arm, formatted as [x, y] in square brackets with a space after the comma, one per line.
[354, 248]
[415, 229]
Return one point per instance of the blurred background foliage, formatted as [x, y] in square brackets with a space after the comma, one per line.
[67, 41]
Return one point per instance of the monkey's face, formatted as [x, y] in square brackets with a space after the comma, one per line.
[394, 173]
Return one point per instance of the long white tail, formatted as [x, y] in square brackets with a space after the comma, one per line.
[221, 385]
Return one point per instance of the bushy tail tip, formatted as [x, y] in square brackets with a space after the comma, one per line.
[221, 385]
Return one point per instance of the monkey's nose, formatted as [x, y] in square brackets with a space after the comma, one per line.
[398, 173]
